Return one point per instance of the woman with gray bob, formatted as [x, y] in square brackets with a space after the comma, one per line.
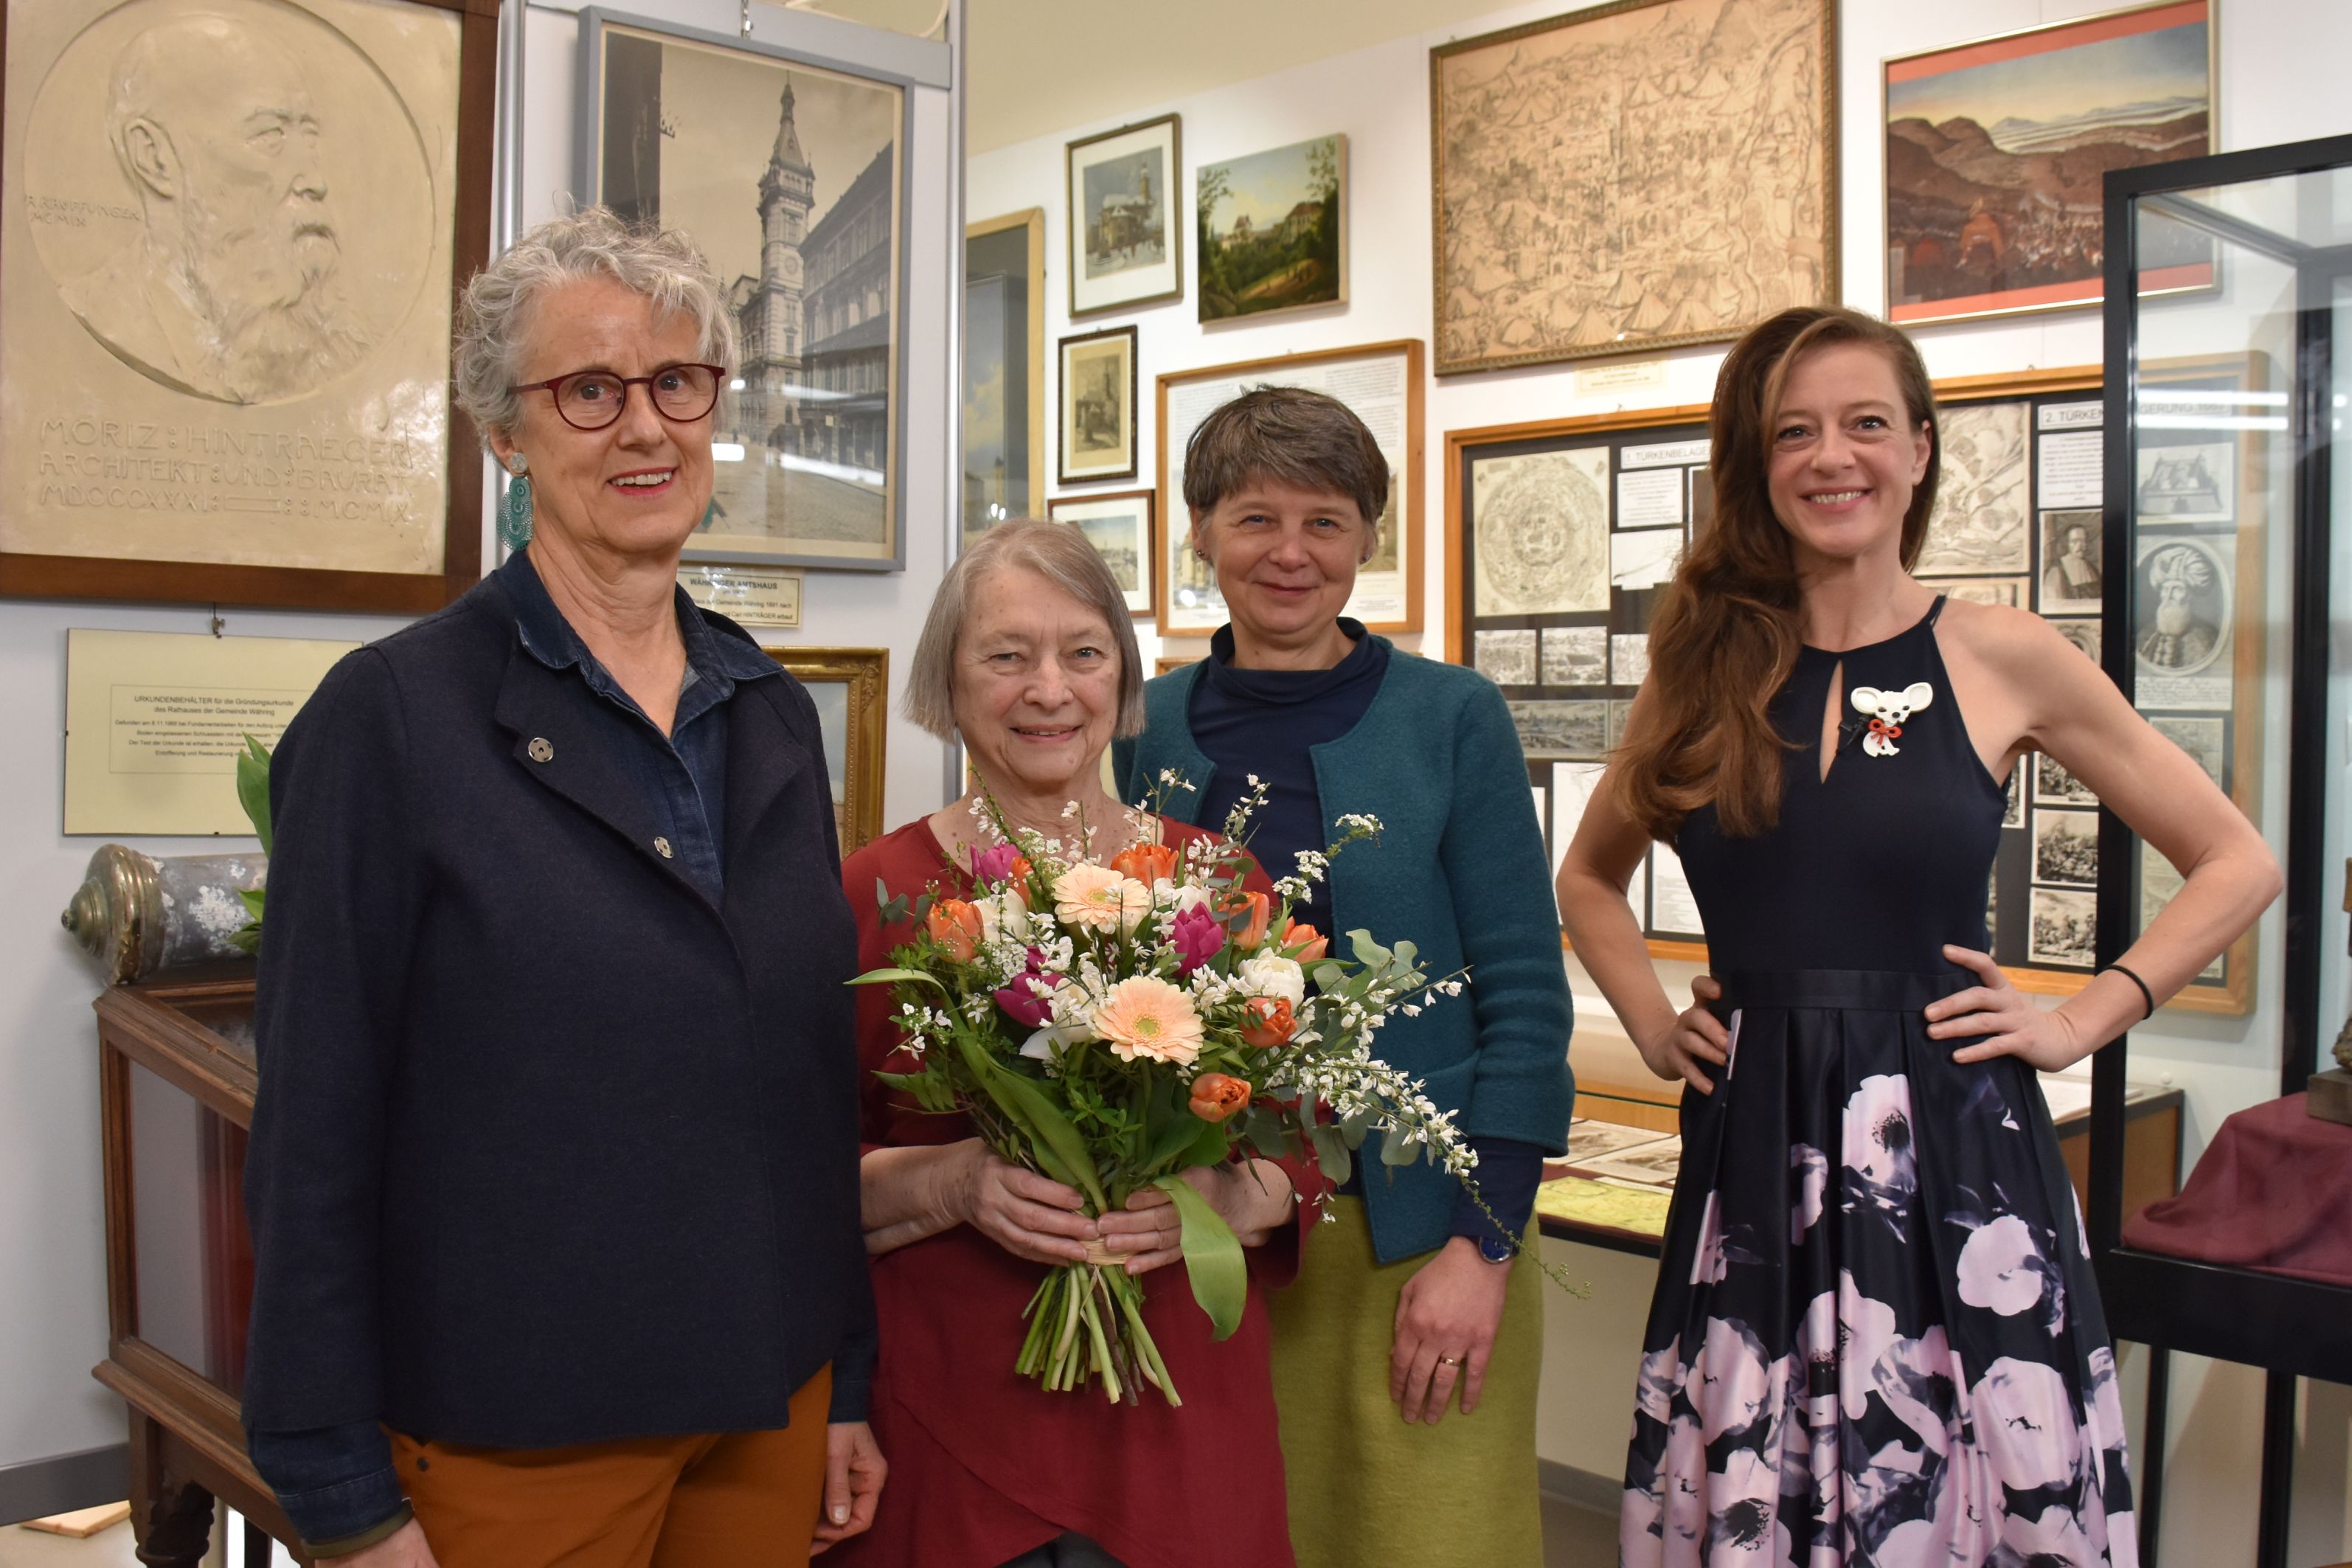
[553, 1179]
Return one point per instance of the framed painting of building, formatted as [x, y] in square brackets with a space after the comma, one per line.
[1381, 384]
[851, 688]
[1120, 528]
[229, 383]
[1003, 369]
[1124, 221]
[1632, 176]
[1273, 230]
[1996, 151]
[1098, 401]
[789, 169]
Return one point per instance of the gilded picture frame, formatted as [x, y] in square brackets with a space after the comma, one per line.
[790, 168]
[285, 435]
[1594, 193]
[851, 688]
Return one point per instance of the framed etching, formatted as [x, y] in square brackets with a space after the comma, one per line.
[1995, 151]
[790, 172]
[1381, 382]
[1120, 528]
[232, 242]
[1273, 230]
[1098, 403]
[1003, 370]
[1636, 175]
[1127, 237]
[851, 688]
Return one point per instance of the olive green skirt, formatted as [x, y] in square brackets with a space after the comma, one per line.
[1365, 1488]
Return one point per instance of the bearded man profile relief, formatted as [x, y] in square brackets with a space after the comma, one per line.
[229, 291]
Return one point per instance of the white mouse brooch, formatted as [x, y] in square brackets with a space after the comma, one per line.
[1888, 712]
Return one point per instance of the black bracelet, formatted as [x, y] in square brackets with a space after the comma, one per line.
[2145, 994]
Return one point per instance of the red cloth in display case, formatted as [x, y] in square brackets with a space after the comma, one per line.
[2271, 1194]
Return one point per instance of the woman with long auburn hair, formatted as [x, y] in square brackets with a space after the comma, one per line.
[1876, 1336]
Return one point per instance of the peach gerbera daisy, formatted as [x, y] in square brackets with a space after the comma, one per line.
[1145, 1016]
[1099, 898]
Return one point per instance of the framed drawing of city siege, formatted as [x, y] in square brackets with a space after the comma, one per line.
[1126, 228]
[1632, 176]
[232, 240]
[1381, 384]
[789, 170]
[1096, 382]
[1995, 151]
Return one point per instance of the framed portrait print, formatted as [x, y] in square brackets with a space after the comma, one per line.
[790, 170]
[1381, 384]
[851, 688]
[1120, 528]
[1272, 230]
[1995, 149]
[1127, 238]
[1632, 176]
[1003, 369]
[231, 382]
[1098, 403]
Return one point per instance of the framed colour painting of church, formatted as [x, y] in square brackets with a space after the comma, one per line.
[789, 169]
[230, 248]
[1561, 534]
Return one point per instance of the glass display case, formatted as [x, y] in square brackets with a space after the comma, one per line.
[2229, 279]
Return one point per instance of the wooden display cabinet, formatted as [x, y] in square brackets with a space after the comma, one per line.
[176, 1081]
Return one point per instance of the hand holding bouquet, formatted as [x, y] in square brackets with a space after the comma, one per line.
[1111, 1024]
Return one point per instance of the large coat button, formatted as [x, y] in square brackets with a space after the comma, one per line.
[540, 750]
[661, 847]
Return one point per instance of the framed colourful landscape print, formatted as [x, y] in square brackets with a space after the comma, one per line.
[1995, 152]
[1272, 230]
[1120, 528]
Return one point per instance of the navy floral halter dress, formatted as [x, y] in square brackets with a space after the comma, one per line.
[1876, 1338]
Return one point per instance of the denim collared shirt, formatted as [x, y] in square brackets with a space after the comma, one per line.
[336, 1483]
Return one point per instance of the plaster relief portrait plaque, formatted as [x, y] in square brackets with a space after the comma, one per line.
[231, 232]
[1632, 176]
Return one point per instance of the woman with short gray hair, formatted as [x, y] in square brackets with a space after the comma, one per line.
[1028, 658]
[553, 1178]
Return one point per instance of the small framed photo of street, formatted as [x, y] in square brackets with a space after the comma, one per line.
[1127, 244]
[1120, 528]
[1097, 407]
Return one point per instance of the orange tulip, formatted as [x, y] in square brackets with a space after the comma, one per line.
[956, 927]
[1303, 943]
[1252, 930]
[1216, 1096]
[1019, 872]
[1271, 1021]
[1146, 863]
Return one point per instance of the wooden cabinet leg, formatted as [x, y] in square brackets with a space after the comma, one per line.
[179, 1527]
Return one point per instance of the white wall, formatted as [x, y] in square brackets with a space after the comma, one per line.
[2280, 82]
[52, 1230]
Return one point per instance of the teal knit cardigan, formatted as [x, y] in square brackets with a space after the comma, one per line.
[1459, 871]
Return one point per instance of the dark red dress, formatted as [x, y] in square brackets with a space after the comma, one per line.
[984, 1465]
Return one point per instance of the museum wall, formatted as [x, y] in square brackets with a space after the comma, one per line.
[52, 1263]
[2276, 84]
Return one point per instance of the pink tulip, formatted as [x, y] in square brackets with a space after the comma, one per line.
[1198, 936]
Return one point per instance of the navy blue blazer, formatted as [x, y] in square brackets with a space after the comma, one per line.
[547, 1148]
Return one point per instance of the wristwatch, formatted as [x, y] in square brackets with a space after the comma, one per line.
[1495, 1249]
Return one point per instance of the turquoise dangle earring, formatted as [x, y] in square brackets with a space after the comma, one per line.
[514, 504]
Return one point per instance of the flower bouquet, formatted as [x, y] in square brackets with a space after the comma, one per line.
[1112, 1025]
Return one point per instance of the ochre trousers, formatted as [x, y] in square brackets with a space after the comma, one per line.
[733, 1499]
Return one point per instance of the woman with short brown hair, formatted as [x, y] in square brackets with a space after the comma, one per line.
[1876, 1336]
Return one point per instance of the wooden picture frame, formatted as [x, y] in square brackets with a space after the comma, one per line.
[333, 473]
[1676, 437]
[1125, 216]
[1121, 529]
[1015, 356]
[1095, 393]
[1547, 249]
[1952, 224]
[851, 687]
[1284, 247]
[810, 437]
[1167, 662]
[1388, 597]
